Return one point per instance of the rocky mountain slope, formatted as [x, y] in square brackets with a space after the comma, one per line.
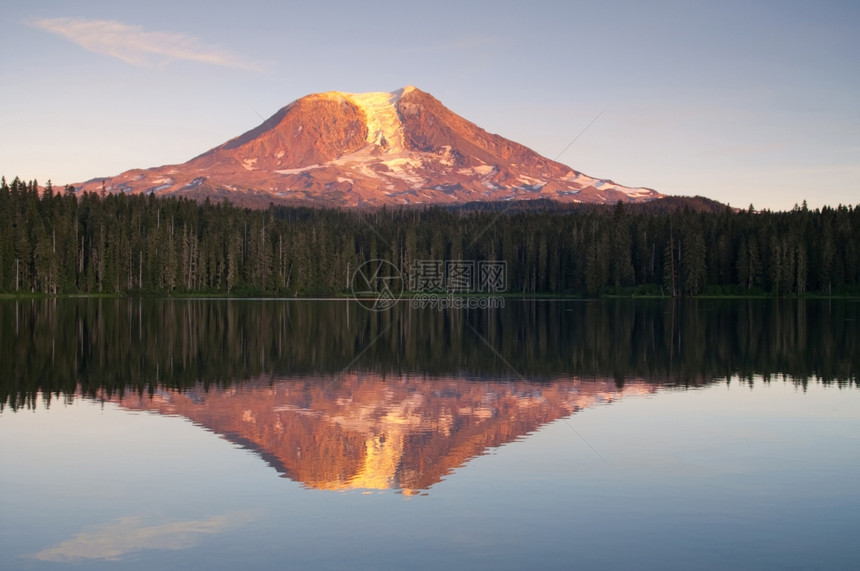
[371, 149]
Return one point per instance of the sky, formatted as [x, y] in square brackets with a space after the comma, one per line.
[750, 102]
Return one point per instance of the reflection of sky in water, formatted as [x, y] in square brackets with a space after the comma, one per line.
[701, 478]
[114, 540]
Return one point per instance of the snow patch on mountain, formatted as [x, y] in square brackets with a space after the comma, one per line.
[299, 170]
[384, 126]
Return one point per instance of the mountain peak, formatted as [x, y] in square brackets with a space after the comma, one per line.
[369, 149]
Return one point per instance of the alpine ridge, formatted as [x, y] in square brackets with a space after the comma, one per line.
[339, 149]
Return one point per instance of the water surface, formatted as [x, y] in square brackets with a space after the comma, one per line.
[229, 434]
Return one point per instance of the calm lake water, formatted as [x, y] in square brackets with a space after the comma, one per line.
[270, 434]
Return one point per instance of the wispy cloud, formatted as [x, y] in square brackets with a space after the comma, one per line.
[133, 45]
[116, 539]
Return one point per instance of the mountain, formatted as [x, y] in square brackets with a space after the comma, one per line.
[369, 431]
[370, 149]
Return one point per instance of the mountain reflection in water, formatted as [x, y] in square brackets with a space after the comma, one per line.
[335, 396]
[366, 431]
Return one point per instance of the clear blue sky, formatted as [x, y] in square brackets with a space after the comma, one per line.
[744, 102]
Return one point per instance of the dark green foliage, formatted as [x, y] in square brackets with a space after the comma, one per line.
[97, 346]
[60, 243]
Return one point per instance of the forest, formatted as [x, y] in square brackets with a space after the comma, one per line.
[95, 345]
[59, 242]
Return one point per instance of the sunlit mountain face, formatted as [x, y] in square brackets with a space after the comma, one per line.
[368, 431]
[339, 149]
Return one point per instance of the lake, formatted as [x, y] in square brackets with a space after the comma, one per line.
[270, 434]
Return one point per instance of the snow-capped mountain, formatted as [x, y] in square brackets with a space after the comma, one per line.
[370, 431]
[370, 149]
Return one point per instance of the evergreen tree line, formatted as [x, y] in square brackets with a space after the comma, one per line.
[95, 345]
[60, 242]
